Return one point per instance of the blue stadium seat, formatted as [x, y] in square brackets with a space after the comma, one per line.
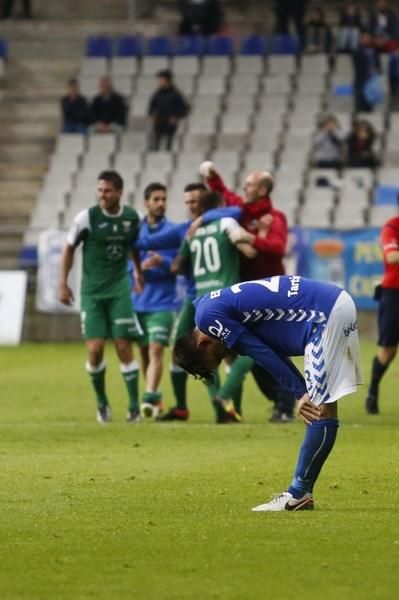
[99, 46]
[343, 90]
[190, 45]
[253, 45]
[220, 45]
[386, 194]
[129, 45]
[285, 44]
[161, 45]
[3, 49]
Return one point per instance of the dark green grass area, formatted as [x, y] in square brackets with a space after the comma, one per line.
[162, 511]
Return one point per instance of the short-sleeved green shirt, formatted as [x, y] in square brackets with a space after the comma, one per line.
[214, 258]
[107, 242]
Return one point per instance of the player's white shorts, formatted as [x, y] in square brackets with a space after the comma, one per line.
[332, 360]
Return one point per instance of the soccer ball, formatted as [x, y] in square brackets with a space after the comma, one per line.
[149, 410]
[205, 168]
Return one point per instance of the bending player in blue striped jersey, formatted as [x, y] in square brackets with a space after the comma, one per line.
[270, 320]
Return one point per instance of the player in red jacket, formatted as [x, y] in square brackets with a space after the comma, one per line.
[268, 232]
[388, 312]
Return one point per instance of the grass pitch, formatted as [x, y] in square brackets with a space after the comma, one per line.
[162, 511]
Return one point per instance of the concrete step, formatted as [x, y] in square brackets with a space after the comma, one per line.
[29, 130]
[17, 172]
[9, 263]
[23, 153]
[10, 111]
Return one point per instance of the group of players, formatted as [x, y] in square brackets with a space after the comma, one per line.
[238, 306]
[226, 239]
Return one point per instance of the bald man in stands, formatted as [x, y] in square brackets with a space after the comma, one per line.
[268, 233]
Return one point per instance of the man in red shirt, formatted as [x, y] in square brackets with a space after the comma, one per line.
[388, 312]
[268, 233]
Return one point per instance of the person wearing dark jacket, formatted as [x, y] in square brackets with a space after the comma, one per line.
[360, 143]
[166, 107]
[350, 26]
[383, 26]
[287, 10]
[366, 63]
[75, 111]
[108, 109]
[200, 16]
[318, 34]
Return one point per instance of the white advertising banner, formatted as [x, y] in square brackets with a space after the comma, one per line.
[50, 247]
[12, 306]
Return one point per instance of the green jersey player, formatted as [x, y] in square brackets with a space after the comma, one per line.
[107, 233]
[213, 253]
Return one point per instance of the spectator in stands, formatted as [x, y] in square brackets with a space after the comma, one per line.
[366, 63]
[393, 75]
[108, 109]
[360, 143]
[8, 6]
[200, 16]
[318, 34]
[166, 107]
[75, 110]
[383, 26]
[329, 144]
[350, 26]
[287, 10]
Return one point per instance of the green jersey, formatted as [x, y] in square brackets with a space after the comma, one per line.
[214, 258]
[107, 243]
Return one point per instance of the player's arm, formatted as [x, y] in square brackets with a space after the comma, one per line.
[182, 260]
[65, 293]
[274, 241]
[214, 214]
[216, 184]
[76, 234]
[138, 272]
[170, 239]
[237, 236]
[390, 244]
[282, 368]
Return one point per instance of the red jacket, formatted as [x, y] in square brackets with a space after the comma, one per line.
[272, 248]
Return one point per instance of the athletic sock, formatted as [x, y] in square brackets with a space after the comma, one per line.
[178, 379]
[97, 376]
[130, 374]
[319, 441]
[213, 388]
[152, 397]
[236, 396]
[234, 380]
[377, 371]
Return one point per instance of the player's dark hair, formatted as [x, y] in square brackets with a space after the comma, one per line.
[153, 187]
[192, 359]
[210, 200]
[112, 177]
[195, 186]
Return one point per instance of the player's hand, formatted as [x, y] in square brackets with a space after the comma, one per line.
[239, 234]
[138, 283]
[307, 411]
[153, 260]
[65, 295]
[192, 230]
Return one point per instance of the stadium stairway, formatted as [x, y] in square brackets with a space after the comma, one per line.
[29, 113]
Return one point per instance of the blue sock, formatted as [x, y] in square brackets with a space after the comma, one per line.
[317, 445]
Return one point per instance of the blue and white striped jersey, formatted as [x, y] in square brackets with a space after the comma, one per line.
[269, 319]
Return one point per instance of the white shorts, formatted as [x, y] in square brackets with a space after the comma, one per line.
[332, 360]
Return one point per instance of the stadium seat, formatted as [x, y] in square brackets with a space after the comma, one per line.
[99, 46]
[95, 65]
[161, 45]
[284, 44]
[152, 64]
[386, 194]
[185, 65]
[190, 45]
[3, 49]
[129, 45]
[253, 45]
[124, 65]
[220, 45]
[380, 214]
[249, 64]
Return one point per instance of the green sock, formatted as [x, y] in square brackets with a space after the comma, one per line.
[235, 379]
[97, 376]
[236, 396]
[213, 388]
[178, 378]
[130, 374]
[152, 397]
